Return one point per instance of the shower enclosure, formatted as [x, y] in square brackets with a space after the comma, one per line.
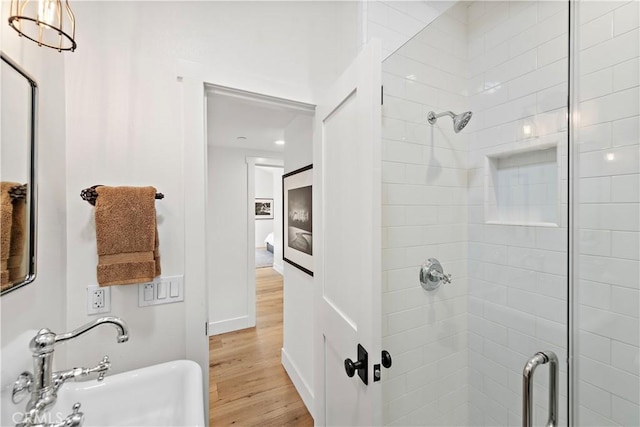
[530, 203]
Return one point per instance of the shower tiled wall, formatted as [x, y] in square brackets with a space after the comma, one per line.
[607, 275]
[395, 22]
[517, 257]
[459, 353]
[424, 216]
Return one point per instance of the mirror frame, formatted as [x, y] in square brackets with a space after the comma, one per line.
[32, 189]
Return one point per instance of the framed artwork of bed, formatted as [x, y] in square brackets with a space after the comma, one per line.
[297, 230]
[264, 208]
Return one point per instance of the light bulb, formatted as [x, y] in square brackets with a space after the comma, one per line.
[46, 11]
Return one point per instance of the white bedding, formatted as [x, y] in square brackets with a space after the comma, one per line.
[269, 239]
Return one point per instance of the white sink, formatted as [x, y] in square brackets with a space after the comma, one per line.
[169, 394]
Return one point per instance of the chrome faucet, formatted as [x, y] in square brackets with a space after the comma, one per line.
[43, 383]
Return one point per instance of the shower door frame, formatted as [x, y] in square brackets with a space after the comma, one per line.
[572, 110]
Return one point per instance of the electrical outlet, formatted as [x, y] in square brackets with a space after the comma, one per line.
[98, 299]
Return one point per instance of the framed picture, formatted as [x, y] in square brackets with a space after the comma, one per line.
[297, 230]
[264, 208]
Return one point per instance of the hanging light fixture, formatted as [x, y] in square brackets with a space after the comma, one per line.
[47, 22]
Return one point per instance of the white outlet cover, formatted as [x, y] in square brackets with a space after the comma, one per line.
[107, 299]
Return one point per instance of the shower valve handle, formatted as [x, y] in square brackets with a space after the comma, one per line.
[432, 275]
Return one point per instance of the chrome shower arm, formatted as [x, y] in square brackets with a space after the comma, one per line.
[432, 117]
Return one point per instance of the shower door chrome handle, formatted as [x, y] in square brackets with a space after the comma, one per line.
[540, 358]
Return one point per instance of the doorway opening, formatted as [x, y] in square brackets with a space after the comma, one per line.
[252, 140]
[268, 217]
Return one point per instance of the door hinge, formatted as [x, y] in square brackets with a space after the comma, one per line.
[206, 328]
[381, 95]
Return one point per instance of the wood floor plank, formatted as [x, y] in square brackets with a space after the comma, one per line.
[248, 385]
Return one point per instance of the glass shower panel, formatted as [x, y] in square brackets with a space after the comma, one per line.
[606, 192]
[489, 202]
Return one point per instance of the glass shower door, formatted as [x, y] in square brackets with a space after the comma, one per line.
[489, 201]
[606, 273]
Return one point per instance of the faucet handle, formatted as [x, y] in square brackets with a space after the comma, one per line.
[76, 418]
[21, 387]
[105, 365]
[101, 368]
[432, 275]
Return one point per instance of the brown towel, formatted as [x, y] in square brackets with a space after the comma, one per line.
[17, 268]
[127, 235]
[6, 221]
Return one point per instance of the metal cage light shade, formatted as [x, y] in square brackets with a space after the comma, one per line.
[47, 22]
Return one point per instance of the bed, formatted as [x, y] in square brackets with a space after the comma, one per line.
[269, 242]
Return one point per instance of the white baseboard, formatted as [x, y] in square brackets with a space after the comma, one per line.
[228, 325]
[279, 267]
[301, 386]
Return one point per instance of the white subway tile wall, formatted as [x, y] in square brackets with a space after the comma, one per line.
[518, 150]
[460, 350]
[424, 216]
[521, 188]
[607, 274]
[394, 22]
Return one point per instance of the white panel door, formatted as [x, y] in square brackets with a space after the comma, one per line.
[348, 271]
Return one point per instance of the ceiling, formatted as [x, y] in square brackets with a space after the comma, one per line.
[259, 120]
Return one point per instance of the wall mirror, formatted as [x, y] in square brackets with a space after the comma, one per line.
[17, 176]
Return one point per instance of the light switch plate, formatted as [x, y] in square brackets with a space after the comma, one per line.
[161, 294]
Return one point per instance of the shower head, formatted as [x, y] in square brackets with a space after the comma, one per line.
[459, 120]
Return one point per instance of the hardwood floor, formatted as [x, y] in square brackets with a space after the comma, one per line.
[248, 385]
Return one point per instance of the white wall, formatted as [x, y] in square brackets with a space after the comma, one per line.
[227, 237]
[41, 303]
[608, 238]
[123, 129]
[278, 220]
[124, 125]
[297, 348]
[424, 186]
[264, 190]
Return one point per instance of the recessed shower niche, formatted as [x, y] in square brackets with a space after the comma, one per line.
[521, 186]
